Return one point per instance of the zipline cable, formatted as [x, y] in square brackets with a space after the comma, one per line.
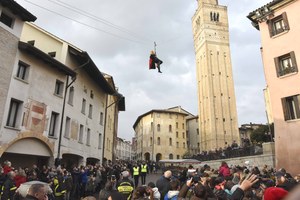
[98, 29]
[96, 18]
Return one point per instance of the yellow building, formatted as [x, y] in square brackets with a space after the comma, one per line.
[161, 134]
[218, 122]
[114, 104]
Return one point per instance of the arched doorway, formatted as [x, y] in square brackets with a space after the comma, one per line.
[27, 152]
[71, 160]
[147, 156]
[158, 157]
[92, 161]
[170, 156]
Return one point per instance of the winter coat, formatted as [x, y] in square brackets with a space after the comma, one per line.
[172, 195]
[163, 185]
[224, 171]
[156, 193]
[19, 180]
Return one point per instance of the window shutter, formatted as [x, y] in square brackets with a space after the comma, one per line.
[277, 65]
[297, 105]
[270, 26]
[285, 20]
[293, 58]
[285, 109]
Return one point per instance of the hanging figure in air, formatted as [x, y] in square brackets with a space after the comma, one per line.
[154, 61]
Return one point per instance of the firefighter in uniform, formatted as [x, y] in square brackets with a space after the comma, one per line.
[144, 170]
[58, 186]
[125, 186]
[136, 174]
[9, 187]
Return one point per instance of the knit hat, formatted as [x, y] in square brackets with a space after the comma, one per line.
[274, 193]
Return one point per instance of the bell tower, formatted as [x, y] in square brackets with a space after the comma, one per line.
[218, 122]
[213, 2]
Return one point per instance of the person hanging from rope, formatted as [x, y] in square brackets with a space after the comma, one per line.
[154, 61]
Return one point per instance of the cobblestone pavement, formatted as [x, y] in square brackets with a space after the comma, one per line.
[151, 178]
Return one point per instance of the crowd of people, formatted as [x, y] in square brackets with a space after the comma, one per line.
[121, 181]
[229, 151]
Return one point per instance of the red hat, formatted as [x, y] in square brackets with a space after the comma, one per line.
[274, 193]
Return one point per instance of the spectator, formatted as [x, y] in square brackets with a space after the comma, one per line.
[106, 191]
[224, 170]
[20, 177]
[274, 193]
[163, 183]
[9, 187]
[37, 192]
[7, 167]
[142, 193]
[283, 182]
[125, 186]
[68, 184]
[174, 190]
[90, 186]
[156, 193]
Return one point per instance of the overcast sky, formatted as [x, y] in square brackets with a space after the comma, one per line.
[119, 34]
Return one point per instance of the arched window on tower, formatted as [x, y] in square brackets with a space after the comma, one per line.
[214, 16]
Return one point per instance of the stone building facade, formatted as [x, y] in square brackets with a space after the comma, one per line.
[55, 103]
[123, 149]
[193, 135]
[12, 18]
[161, 134]
[218, 123]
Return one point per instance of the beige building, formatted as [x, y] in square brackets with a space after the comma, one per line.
[218, 123]
[193, 135]
[114, 104]
[123, 149]
[55, 103]
[278, 22]
[161, 134]
[269, 112]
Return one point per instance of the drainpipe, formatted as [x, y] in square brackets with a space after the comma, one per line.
[58, 159]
